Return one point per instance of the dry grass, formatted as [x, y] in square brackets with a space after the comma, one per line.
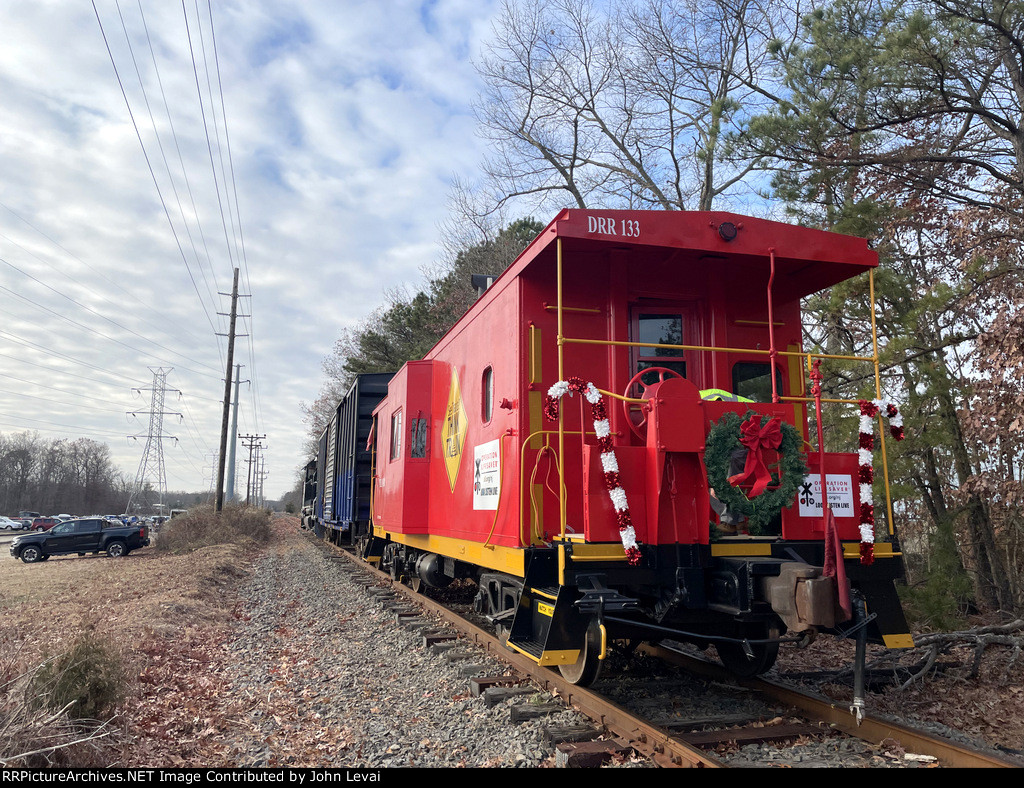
[45, 605]
[163, 611]
[171, 613]
[203, 527]
[39, 723]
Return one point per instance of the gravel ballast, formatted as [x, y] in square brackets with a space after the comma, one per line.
[330, 678]
[322, 672]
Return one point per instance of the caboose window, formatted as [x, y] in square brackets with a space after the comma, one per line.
[487, 390]
[396, 435]
[753, 380]
[660, 329]
[417, 438]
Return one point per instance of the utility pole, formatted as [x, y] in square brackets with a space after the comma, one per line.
[227, 394]
[233, 433]
[152, 463]
[252, 443]
[262, 478]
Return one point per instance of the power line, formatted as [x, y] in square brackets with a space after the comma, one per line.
[94, 312]
[49, 352]
[160, 145]
[62, 270]
[206, 129]
[64, 427]
[79, 395]
[150, 166]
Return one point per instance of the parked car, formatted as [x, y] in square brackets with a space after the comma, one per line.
[86, 535]
[44, 523]
[7, 524]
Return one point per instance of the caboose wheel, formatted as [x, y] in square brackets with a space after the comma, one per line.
[585, 670]
[389, 561]
[736, 660]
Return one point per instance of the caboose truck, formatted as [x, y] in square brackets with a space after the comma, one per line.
[557, 445]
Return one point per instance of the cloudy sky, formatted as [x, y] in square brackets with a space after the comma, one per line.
[146, 152]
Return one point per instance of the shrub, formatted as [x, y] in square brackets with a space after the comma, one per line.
[88, 681]
[203, 526]
[61, 713]
[941, 602]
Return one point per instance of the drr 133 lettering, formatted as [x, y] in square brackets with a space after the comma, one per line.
[627, 228]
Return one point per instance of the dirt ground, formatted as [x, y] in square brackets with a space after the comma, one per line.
[171, 616]
[983, 700]
[168, 615]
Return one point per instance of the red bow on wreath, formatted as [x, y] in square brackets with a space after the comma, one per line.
[757, 438]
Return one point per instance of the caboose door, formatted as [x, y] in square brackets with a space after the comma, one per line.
[660, 325]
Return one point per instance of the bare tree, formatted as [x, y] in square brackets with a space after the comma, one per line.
[627, 104]
[74, 476]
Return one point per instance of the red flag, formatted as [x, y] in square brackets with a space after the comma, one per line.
[834, 564]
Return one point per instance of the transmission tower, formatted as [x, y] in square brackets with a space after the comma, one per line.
[151, 473]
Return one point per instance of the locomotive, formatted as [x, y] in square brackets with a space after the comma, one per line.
[621, 441]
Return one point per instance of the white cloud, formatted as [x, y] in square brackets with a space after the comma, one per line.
[346, 121]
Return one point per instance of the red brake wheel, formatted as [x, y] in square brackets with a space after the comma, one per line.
[631, 409]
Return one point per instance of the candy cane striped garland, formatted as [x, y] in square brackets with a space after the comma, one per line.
[868, 412]
[608, 462]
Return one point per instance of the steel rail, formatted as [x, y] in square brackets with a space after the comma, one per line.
[661, 746]
[649, 740]
[871, 729]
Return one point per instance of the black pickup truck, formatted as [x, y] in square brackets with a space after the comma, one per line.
[87, 535]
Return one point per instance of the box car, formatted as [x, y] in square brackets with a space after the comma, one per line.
[339, 481]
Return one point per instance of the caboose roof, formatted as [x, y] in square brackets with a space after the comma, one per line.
[806, 260]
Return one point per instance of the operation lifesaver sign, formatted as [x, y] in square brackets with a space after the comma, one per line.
[487, 475]
[840, 495]
[453, 431]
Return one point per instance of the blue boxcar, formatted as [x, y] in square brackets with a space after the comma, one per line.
[339, 482]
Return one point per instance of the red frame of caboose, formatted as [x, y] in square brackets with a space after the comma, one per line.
[565, 308]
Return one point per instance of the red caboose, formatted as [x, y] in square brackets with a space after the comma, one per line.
[614, 441]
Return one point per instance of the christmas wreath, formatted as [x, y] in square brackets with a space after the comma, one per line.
[772, 489]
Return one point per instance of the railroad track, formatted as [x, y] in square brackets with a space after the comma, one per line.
[789, 715]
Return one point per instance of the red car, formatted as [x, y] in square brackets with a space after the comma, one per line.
[44, 523]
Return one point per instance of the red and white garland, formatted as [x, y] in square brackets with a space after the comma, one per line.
[868, 412]
[608, 462]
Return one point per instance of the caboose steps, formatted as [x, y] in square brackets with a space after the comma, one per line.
[530, 648]
[547, 627]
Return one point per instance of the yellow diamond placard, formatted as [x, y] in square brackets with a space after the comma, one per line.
[453, 433]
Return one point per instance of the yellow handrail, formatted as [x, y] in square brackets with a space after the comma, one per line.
[563, 340]
[523, 445]
[754, 351]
